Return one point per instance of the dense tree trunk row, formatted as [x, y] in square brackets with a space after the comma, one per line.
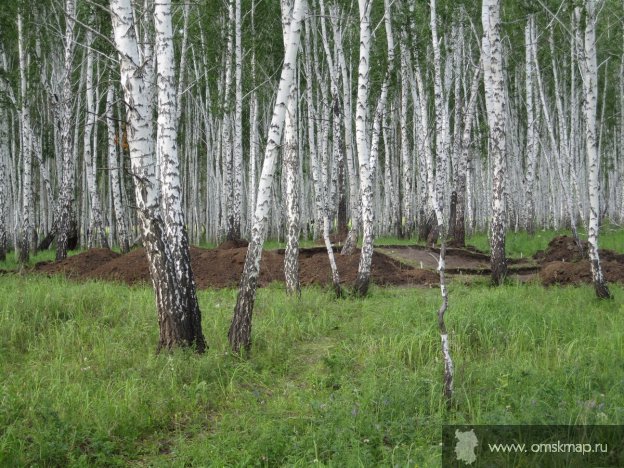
[223, 109]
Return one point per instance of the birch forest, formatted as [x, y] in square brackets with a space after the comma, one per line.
[351, 145]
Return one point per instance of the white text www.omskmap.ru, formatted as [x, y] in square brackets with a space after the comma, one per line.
[558, 447]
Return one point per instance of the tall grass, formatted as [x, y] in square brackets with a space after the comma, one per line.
[353, 382]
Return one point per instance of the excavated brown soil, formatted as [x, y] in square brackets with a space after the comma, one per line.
[561, 249]
[579, 272]
[222, 267]
[560, 263]
[563, 263]
[79, 265]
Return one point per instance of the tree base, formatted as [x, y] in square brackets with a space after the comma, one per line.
[362, 284]
[602, 291]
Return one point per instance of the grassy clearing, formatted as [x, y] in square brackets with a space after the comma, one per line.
[11, 263]
[341, 383]
[520, 244]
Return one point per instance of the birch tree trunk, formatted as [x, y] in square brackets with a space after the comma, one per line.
[227, 151]
[113, 167]
[459, 231]
[291, 167]
[238, 127]
[96, 207]
[66, 193]
[531, 137]
[4, 177]
[239, 334]
[590, 90]
[433, 184]
[368, 155]
[165, 245]
[183, 327]
[441, 113]
[407, 228]
[492, 54]
[350, 242]
[361, 140]
[27, 227]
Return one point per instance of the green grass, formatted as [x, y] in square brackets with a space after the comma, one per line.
[353, 382]
[11, 263]
[521, 244]
[330, 382]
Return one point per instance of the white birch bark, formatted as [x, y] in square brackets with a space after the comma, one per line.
[113, 167]
[253, 128]
[590, 91]
[238, 126]
[441, 113]
[407, 227]
[459, 232]
[361, 139]
[311, 130]
[183, 59]
[96, 207]
[291, 168]
[532, 126]
[351, 240]
[227, 143]
[433, 183]
[240, 330]
[66, 193]
[4, 178]
[492, 56]
[368, 155]
[27, 209]
[182, 325]
[179, 317]
[620, 132]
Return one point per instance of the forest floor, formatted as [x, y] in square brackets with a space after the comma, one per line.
[349, 382]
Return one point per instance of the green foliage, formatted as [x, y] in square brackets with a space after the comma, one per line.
[353, 382]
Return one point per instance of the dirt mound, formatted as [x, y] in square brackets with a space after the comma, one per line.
[561, 249]
[131, 268]
[579, 272]
[233, 244]
[610, 255]
[222, 268]
[314, 269]
[219, 268]
[78, 265]
[564, 249]
[562, 263]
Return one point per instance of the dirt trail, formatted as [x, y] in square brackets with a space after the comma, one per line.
[458, 261]
[560, 263]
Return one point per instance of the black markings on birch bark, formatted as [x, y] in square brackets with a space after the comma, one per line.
[239, 334]
[160, 213]
[291, 167]
[589, 69]
[492, 57]
[66, 193]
